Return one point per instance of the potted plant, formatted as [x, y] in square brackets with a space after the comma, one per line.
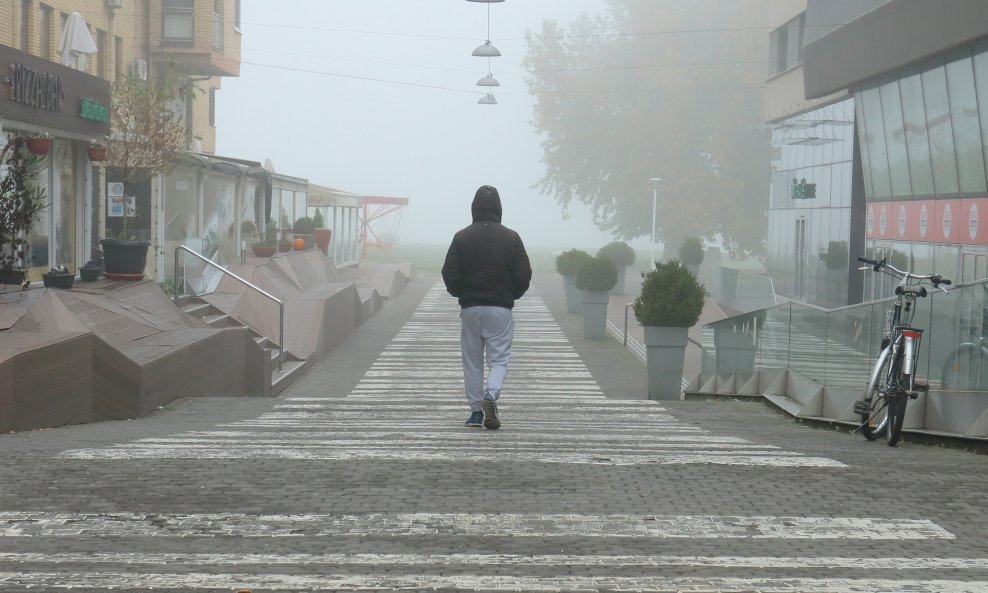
[670, 303]
[20, 204]
[268, 244]
[305, 229]
[597, 276]
[623, 256]
[691, 254]
[568, 264]
[322, 234]
[90, 272]
[148, 134]
[96, 152]
[39, 145]
[58, 277]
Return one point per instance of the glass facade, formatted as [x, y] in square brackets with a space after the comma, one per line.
[809, 216]
[923, 132]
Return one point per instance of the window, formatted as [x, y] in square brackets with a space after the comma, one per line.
[966, 124]
[24, 36]
[212, 107]
[118, 70]
[895, 138]
[44, 32]
[917, 140]
[101, 53]
[940, 130]
[178, 19]
[786, 45]
[236, 13]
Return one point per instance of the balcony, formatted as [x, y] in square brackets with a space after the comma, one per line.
[198, 42]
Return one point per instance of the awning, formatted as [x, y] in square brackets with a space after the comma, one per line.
[320, 196]
[76, 44]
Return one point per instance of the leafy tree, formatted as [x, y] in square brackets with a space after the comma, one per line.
[666, 88]
[21, 201]
[148, 127]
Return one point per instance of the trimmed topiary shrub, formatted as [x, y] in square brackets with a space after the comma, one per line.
[618, 252]
[671, 297]
[570, 262]
[304, 226]
[691, 252]
[597, 274]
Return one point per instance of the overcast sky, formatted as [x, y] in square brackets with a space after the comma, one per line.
[379, 97]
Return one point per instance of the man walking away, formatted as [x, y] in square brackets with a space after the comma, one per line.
[487, 269]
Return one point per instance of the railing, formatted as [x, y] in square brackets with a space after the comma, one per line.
[836, 347]
[281, 305]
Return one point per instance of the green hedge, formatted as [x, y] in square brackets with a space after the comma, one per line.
[670, 296]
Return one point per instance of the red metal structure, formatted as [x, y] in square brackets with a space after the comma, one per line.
[376, 208]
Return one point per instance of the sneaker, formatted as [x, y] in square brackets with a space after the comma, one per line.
[476, 420]
[490, 414]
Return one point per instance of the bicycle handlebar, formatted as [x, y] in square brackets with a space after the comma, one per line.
[870, 261]
[935, 279]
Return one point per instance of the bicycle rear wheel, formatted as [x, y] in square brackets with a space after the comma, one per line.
[966, 369]
[895, 416]
[873, 424]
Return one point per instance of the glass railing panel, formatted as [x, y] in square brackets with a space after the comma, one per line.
[808, 342]
[954, 344]
[853, 340]
[773, 338]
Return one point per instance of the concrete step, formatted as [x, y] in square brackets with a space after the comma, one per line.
[197, 309]
[291, 370]
[220, 320]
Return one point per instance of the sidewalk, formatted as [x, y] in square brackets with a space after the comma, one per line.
[362, 477]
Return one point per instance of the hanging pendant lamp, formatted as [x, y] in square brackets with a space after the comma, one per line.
[488, 80]
[487, 99]
[486, 50]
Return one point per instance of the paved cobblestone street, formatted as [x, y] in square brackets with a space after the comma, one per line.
[362, 478]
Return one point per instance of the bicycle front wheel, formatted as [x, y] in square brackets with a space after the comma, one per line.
[896, 413]
[873, 424]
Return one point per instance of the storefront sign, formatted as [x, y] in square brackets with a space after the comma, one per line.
[94, 110]
[34, 88]
[802, 190]
[51, 96]
[937, 221]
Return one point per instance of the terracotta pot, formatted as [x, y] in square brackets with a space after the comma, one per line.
[323, 238]
[264, 250]
[38, 146]
[97, 153]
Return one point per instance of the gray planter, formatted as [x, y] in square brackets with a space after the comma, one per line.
[574, 298]
[665, 350]
[595, 315]
[619, 287]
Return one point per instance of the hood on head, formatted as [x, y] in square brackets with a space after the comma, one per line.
[486, 204]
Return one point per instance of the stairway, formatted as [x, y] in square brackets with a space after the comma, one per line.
[292, 367]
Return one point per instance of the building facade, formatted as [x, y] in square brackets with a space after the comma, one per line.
[201, 38]
[918, 72]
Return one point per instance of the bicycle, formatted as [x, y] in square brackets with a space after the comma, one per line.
[893, 379]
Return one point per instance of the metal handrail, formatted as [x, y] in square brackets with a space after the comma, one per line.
[281, 305]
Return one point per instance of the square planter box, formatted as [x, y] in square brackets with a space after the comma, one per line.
[58, 280]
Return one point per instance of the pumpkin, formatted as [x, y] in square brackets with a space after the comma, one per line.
[299, 243]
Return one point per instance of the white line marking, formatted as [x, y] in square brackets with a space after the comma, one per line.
[39, 524]
[358, 582]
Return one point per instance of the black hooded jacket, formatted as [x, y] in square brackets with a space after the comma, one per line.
[487, 263]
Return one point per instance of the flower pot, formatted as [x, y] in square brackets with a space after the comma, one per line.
[38, 146]
[665, 351]
[284, 246]
[58, 280]
[96, 153]
[124, 259]
[619, 287]
[89, 273]
[13, 277]
[264, 250]
[323, 238]
[574, 298]
[595, 314]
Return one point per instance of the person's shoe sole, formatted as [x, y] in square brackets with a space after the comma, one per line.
[490, 415]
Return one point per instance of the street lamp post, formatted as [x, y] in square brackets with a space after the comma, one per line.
[655, 195]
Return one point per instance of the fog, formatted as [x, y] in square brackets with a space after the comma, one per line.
[378, 97]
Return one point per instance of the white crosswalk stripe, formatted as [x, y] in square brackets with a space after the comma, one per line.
[416, 385]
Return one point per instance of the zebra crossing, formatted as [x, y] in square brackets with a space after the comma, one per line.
[406, 413]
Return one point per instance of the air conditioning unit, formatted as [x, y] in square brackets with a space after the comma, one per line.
[115, 3]
[139, 69]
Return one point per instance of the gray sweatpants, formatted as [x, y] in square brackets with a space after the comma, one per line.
[485, 330]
